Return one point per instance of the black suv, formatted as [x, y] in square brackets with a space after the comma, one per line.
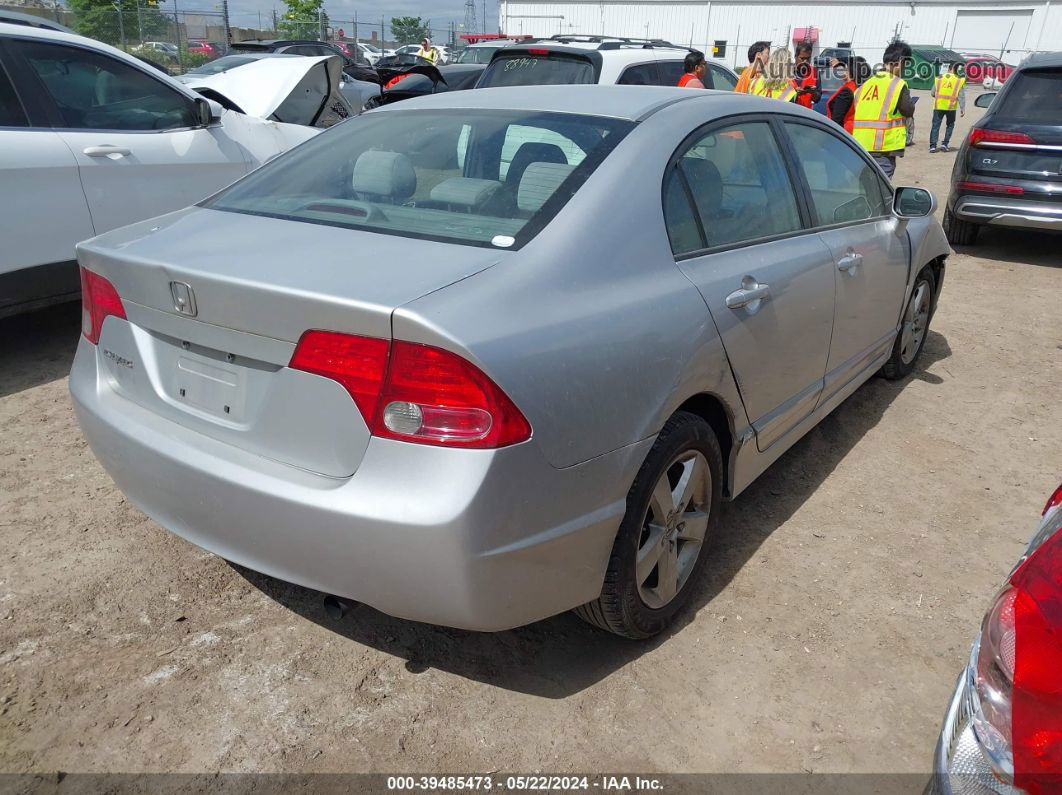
[1009, 169]
[356, 67]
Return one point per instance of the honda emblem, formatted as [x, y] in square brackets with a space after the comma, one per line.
[183, 298]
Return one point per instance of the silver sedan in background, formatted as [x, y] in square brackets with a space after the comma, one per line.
[482, 357]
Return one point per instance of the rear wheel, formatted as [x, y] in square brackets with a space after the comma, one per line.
[958, 232]
[660, 548]
[914, 330]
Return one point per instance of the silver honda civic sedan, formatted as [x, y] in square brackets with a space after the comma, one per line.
[482, 357]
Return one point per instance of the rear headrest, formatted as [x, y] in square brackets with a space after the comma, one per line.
[532, 152]
[387, 174]
[705, 182]
[539, 182]
[465, 191]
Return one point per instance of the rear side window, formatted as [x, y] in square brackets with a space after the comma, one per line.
[521, 68]
[670, 72]
[93, 91]
[643, 74]
[1036, 96]
[11, 112]
[739, 187]
[478, 177]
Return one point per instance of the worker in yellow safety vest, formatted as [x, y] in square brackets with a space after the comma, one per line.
[776, 82]
[883, 103]
[949, 90]
[427, 52]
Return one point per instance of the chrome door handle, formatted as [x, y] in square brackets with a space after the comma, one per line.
[747, 295]
[105, 149]
[849, 261]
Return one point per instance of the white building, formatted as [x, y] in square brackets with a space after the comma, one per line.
[730, 26]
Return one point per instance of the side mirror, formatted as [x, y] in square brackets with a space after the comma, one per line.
[205, 112]
[913, 203]
[984, 100]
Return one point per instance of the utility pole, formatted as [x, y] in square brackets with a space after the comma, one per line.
[139, 25]
[225, 23]
[274, 21]
[177, 35]
[484, 16]
[121, 24]
[382, 34]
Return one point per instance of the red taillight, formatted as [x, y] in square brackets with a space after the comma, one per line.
[979, 137]
[537, 51]
[98, 300]
[1053, 501]
[415, 393]
[358, 363]
[989, 187]
[1036, 704]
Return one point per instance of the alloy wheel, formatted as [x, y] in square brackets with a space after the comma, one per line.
[915, 323]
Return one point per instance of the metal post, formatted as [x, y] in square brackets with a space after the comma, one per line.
[355, 28]
[121, 24]
[1006, 41]
[139, 25]
[177, 34]
[381, 34]
[225, 24]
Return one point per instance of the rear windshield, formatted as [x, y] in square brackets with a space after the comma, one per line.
[222, 64]
[477, 54]
[478, 177]
[1036, 97]
[520, 68]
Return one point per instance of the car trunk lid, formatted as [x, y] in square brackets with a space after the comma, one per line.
[216, 303]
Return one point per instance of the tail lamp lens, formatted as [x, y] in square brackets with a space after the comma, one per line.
[979, 137]
[99, 299]
[415, 393]
[991, 187]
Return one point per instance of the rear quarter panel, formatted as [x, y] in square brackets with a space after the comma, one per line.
[591, 328]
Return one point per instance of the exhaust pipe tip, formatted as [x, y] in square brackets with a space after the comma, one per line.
[336, 607]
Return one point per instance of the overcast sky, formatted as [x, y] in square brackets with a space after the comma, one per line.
[244, 13]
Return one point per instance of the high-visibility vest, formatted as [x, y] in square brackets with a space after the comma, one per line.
[786, 93]
[756, 87]
[851, 86]
[877, 124]
[429, 54]
[947, 88]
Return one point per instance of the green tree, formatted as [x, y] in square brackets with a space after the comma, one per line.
[408, 30]
[304, 19]
[100, 19]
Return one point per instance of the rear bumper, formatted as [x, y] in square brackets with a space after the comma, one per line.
[483, 540]
[1007, 211]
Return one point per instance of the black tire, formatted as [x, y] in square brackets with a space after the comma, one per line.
[959, 233]
[900, 365]
[620, 608]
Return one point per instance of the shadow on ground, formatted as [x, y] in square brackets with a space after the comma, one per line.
[561, 655]
[1020, 246]
[38, 347]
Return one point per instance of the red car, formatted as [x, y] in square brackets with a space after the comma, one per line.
[1002, 732]
[203, 48]
[981, 67]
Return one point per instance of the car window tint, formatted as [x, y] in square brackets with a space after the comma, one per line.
[11, 112]
[643, 74]
[682, 229]
[542, 143]
[520, 68]
[843, 185]
[722, 80]
[740, 187]
[96, 92]
[1035, 97]
[670, 72]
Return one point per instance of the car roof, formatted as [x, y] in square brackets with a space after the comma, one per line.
[633, 103]
[1040, 59]
[31, 20]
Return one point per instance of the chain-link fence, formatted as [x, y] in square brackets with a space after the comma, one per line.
[178, 40]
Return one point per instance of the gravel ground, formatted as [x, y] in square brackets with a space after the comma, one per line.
[846, 588]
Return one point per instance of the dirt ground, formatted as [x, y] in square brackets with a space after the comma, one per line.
[846, 587]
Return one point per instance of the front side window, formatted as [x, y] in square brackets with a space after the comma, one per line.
[93, 91]
[736, 179]
[844, 188]
[722, 80]
[479, 177]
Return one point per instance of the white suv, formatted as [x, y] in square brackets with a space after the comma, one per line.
[92, 139]
[596, 59]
